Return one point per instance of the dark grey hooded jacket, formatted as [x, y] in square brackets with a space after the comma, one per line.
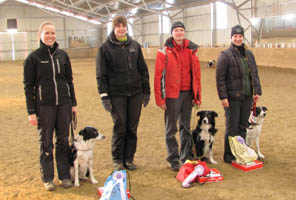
[229, 74]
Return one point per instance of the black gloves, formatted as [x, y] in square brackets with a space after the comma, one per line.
[107, 104]
[145, 99]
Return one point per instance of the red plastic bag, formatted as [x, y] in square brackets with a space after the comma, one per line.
[188, 168]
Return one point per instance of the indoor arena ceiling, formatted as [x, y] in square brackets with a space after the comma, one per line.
[103, 10]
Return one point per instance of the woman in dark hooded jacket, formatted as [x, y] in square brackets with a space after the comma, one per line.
[238, 86]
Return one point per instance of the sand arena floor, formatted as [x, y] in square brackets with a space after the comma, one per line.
[20, 177]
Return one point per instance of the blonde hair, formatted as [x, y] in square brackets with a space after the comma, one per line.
[41, 29]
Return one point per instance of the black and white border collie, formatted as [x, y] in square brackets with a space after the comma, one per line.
[81, 156]
[211, 63]
[203, 135]
[255, 128]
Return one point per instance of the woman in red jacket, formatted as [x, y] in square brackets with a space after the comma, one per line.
[177, 88]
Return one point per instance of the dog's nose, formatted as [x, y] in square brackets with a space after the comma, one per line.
[103, 137]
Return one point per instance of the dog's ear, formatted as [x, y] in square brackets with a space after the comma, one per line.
[81, 131]
[264, 108]
[199, 113]
[215, 114]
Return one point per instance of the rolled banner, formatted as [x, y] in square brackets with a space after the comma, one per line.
[118, 177]
[199, 170]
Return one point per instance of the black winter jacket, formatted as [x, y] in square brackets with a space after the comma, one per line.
[229, 74]
[121, 68]
[48, 78]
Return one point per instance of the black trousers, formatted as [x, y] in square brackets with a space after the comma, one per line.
[126, 111]
[236, 115]
[50, 119]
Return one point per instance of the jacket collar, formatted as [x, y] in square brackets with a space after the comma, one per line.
[240, 50]
[114, 40]
[44, 47]
[187, 44]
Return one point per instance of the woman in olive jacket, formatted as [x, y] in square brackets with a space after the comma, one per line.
[50, 99]
[238, 86]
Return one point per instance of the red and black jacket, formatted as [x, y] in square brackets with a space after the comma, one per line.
[167, 76]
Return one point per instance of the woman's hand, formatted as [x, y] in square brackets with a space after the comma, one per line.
[225, 103]
[74, 110]
[163, 106]
[256, 98]
[33, 119]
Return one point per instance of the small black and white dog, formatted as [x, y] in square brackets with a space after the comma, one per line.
[81, 156]
[203, 135]
[211, 63]
[255, 128]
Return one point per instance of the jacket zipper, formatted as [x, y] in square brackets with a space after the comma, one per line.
[68, 90]
[40, 96]
[54, 79]
[128, 71]
[59, 71]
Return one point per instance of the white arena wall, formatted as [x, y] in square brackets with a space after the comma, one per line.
[28, 21]
[146, 29]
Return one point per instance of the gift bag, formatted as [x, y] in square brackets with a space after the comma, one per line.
[115, 186]
[185, 170]
[241, 151]
[189, 167]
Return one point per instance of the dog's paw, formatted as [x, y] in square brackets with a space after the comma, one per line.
[261, 156]
[93, 181]
[76, 184]
[83, 178]
[214, 162]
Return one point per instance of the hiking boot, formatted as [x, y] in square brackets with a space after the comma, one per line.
[130, 166]
[175, 166]
[66, 183]
[49, 186]
[118, 166]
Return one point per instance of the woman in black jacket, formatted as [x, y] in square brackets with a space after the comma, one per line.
[123, 84]
[50, 99]
[238, 86]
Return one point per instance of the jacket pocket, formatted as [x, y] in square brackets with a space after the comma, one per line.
[58, 65]
[40, 92]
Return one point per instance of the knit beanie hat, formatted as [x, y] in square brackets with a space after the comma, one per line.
[238, 29]
[176, 25]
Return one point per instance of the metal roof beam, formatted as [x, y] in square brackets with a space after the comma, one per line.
[81, 11]
[142, 8]
[243, 3]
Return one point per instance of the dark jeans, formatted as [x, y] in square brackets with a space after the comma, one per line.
[52, 118]
[236, 115]
[126, 111]
[179, 109]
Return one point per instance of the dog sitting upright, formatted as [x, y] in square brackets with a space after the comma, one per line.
[81, 157]
[255, 128]
[203, 135]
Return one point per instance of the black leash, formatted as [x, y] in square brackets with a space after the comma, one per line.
[73, 127]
